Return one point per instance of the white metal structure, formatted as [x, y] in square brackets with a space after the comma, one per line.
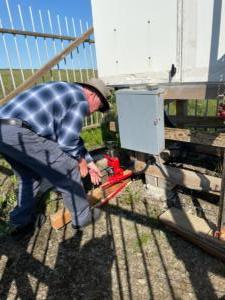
[139, 41]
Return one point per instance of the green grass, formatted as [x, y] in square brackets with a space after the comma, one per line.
[143, 240]
[52, 75]
[92, 138]
[196, 107]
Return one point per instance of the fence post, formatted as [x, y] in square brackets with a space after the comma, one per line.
[181, 111]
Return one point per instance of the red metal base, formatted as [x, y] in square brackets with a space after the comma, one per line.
[119, 175]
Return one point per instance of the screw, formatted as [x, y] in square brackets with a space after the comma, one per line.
[148, 22]
[117, 61]
[155, 122]
[114, 29]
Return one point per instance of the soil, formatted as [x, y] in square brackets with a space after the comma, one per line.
[127, 254]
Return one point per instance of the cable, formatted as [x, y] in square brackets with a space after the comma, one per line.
[149, 162]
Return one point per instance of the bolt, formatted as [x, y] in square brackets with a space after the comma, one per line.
[117, 61]
[148, 22]
[114, 29]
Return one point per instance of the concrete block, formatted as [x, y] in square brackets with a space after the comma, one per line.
[159, 182]
[159, 194]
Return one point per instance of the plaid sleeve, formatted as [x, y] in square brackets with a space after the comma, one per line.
[69, 138]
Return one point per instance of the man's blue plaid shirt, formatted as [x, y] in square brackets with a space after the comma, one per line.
[54, 110]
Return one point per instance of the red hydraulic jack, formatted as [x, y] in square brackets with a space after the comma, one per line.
[101, 195]
[116, 182]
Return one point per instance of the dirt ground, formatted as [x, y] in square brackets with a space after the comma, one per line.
[126, 255]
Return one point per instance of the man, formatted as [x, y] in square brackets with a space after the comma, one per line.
[39, 137]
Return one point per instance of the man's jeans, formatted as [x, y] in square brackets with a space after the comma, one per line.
[34, 157]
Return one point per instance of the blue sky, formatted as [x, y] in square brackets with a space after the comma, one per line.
[76, 9]
[79, 9]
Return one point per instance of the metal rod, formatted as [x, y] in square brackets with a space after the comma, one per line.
[2, 86]
[217, 104]
[86, 122]
[43, 70]
[26, 41]
[91, 55]
[62, 46]
[51, 28]
[46, 48]
[78, 60]
[45, 42]
[41, 34]
[71, 53]
[8, 59]
[92, 115]
[84, 49]
[33, 27]
[42, 27]
[74, 69]
[92, 46]
[206, 107]
[71, 56]
[15, 40]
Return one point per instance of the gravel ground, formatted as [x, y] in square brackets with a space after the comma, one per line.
[126, 255]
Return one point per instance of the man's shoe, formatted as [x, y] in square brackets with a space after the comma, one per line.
[40, 220]
[21, 232]
[92, 216]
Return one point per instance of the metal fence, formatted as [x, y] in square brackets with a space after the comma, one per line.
[196, 114]
[38, 46]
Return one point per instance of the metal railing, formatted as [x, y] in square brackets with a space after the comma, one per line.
[48, 48]
[201, 114]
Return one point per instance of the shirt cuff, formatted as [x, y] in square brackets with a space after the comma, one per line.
[88, 157]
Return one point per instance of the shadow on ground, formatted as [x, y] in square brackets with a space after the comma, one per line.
[127, 255]
[80, 271]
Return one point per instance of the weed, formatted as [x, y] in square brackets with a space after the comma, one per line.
[11, 198]
[126, 198]
[154, 212]
[2, 201]
[132, 194]
[142, 240]
[53, 202]
[4, 228]
[92, 138]
[13, 180]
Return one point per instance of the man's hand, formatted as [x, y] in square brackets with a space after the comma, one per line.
[95, 173]
[83, 167]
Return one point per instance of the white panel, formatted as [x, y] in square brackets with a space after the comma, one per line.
[203, 41]
[135, 37]
[197, 29]
[187, 33]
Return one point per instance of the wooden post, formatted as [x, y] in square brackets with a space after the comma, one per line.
[221, 215]
[181, 111]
